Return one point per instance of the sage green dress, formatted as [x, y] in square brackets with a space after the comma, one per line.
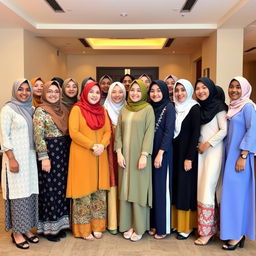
[134, 135]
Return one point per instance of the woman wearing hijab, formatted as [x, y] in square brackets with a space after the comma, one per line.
[145, 79]
[170, 81]
[105, 82]
[186, 135]
[238, 189]
[59, 81]
[19, 172]
[37, 84]
[126, 80]
[52, 145]
[90, 131]
[69, 93]
[113, 104]
[162, 159]
[86, 81]
[211, 149]
[134, 145]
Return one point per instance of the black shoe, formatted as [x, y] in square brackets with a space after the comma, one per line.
[62, 234]
[32, 239]
[20, 245]
[231, 247]
[182, 237]
[52, 238]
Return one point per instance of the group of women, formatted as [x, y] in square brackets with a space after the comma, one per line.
[134, 156]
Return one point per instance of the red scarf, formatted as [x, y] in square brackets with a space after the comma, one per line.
[93, 113]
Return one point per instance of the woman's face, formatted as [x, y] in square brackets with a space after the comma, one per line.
[117, 94]
[126, 82]
[38, 88]
[170, 83]
[71, 89]
[105, 83]
[234, 90]
[180, 93]
[135, 93]
[155, 93]
[145, 80]
[23, 93]
[94, 95]
[201, 91]
[53, 94]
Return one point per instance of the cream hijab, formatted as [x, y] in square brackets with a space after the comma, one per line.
[183, 108]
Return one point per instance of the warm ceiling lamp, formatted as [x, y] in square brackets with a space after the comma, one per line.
[126, 44]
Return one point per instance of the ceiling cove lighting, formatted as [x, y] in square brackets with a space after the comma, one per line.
[126, 44]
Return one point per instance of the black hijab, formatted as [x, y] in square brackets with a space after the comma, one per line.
[159, 106]
[59, 80]
[84, 82]
[214, 104]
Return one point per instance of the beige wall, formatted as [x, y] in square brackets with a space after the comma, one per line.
[249, 72]
[41, 58]
[81, 66]
[12, 59]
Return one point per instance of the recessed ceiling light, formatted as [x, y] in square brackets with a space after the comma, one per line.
[123, 14]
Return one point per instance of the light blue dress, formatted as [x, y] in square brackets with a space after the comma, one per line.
[237, 215]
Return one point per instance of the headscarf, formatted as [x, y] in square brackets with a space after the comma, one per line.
[183, 108]
[147, 76]
[84, 82]
[59, 80]
[213, 104]
[171, 76]
[67, 101]
[23, 108]
[112, 107]
[235, 106]
[104, 94]
[37, 100]
[142, 103]
[123, 77]
[57, 111]
[93, 113]
[159, 106]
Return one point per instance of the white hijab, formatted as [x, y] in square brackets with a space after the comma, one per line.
[112, 107]
[183, 108]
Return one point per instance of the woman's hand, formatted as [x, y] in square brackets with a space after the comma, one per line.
[46, 165]
[159, 159]
[202, 147]
[98, 149]
[13, 165]
[121, 160]
[240, 164]
[187, 165]
[142, 162]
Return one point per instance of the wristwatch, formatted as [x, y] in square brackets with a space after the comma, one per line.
[244, 156]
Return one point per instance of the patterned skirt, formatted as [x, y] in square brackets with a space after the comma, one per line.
[54, 207]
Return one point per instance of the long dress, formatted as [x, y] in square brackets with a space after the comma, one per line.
[184, 200]
[238, 189]
[162, 177]
[209, 168]
[20, 190]
[134, 135]
[54, 207]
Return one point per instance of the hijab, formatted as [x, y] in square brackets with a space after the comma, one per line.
[147, 76]
[104, 94]
[183, 108]
[59, 80]
[159, 106]
[84, 82]
[37, 100]
[171, 76]
[235, 106]
[93, 113]
[57, 111]
[142, 103]
[67, 101]
[123, 77]
[23, 108]
[112, 107]
[213, 104]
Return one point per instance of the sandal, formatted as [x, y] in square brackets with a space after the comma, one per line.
[89, 238]
[32, 239]
[201, 242]
[152, 232]
[128, 234]
[97, 235]
[156, 236]
[23, 245]
[135, 237]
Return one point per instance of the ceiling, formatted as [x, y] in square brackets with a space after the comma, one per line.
[145, 19]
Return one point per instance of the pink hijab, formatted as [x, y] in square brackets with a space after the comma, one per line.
[235, 106]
